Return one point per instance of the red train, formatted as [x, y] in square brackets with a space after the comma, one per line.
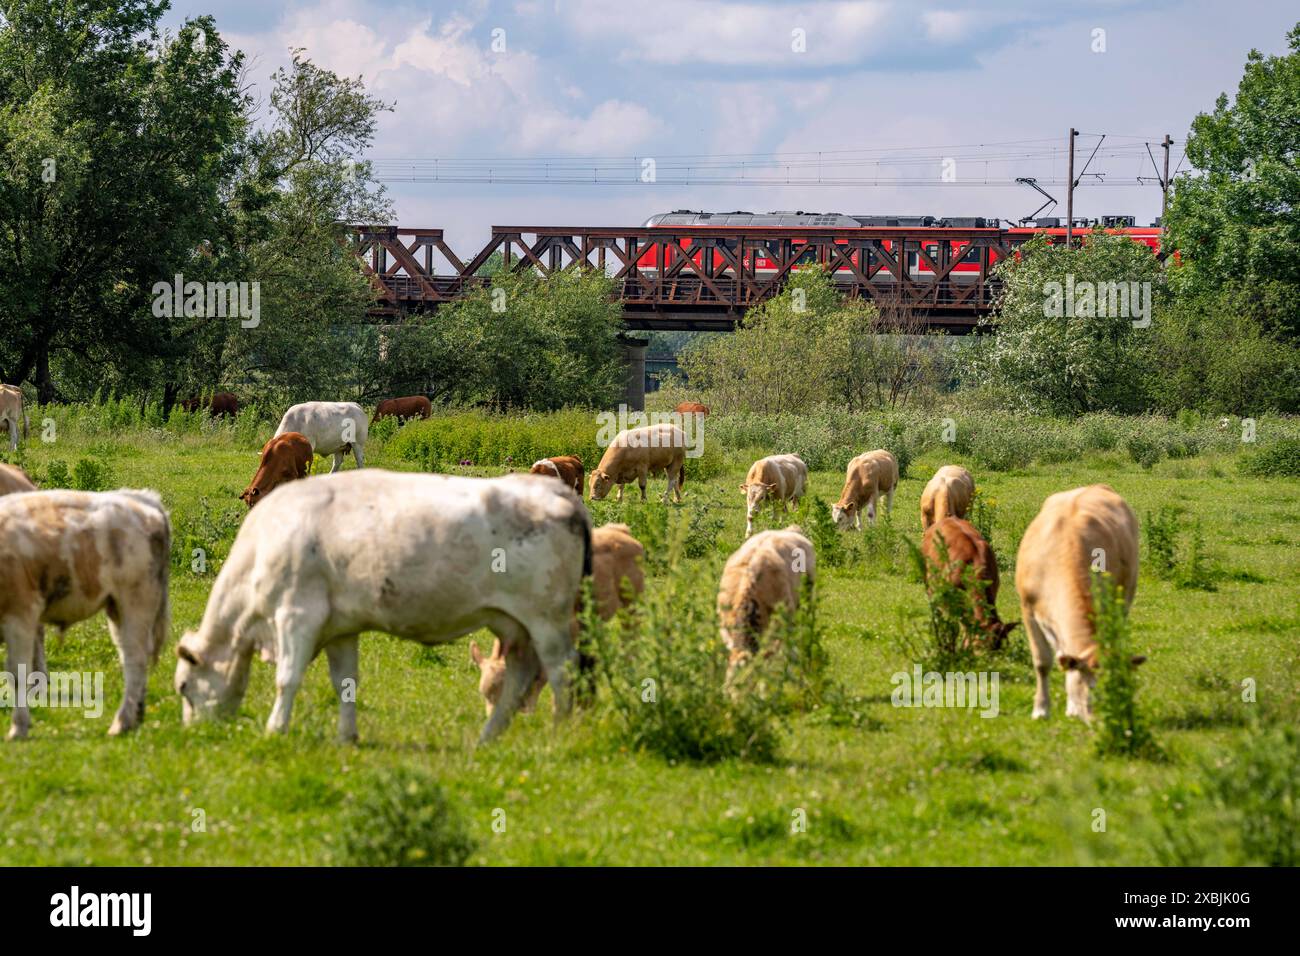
[784, 222]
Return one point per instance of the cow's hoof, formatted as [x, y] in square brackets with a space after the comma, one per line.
[1040, 713]
[16, 734]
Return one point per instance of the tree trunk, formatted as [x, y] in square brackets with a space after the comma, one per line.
[171, 390]
[46, 393]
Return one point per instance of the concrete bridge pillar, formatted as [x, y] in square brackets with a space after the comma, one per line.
[634, 350]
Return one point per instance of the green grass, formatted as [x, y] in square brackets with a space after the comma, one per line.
[899, 786]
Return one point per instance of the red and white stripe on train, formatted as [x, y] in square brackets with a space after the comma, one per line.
[781, 223]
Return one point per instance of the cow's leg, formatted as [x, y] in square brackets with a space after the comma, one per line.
[559, 658]
[358, 454]
[675, 483]
[619, 497]
[522, 669]
[13, 435]
[889, 500]
[19, 637]
[1043, 655]
[749, 520]
[296, 629]
[342, 655]
[640, 481]
[38, 655]
[338, 462]
[131, 637]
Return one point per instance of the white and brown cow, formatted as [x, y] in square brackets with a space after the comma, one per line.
[333, 428]
[637, 453]
[870, 475]
[568, 468]
[69, 554]
[617, 578]
[428, 558]
[948, 494]
[764, 573]
[780, 479]
[1074, 532]
[13, 414]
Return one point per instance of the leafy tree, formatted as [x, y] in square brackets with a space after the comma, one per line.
[1238, 220]
[115, 143]
[1052, 352]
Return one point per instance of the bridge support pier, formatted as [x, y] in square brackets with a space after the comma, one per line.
[634, 350]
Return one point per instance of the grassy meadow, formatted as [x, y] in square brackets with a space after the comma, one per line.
[877, 784]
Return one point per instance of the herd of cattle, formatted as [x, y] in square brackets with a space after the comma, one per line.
[431, 558]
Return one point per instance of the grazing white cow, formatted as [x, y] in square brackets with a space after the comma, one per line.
[67, 555]
[870, 475]
[947, 495]
[1074, 531]
[765, 572]
[13, 413]
[429, 558]
[780, 479]
[333, 428]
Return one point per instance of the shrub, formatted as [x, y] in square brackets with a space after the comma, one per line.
[1123, 729]
[56, 475]
[1144, 450]
[402, 818]
[818, 524]
[665, 669]
[1162, 529]
[943, 640]
[90, 475]
[1280, 459]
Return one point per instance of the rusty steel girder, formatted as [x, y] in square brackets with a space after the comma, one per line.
[711, 275]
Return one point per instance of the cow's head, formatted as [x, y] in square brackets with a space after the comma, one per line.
[998, 631]
[844, 514]
[755, 492]
[492, 677]
[600, 482]
[210, 680]
[267, 480]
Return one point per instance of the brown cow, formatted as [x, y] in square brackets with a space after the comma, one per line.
[1075, 532]
[14, 479]
[412, 406]
[219, 405]
[966, 548]
[568, 468]
[616, 579]
[691, 408]
[284, 458]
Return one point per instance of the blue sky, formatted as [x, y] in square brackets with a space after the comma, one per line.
[938, 81]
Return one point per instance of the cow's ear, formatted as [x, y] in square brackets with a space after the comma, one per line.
[1137, 660]
[475, 655]
[771, 487]
[744, 488]
[187, 655]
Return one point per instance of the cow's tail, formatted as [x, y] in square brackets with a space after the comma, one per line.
[162, 621]
[27, 422]
[681, 476]
[586, 544]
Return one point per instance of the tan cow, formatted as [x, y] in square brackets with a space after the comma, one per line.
[780, 479]
[870, 475]
[568, 468]
[1074, 532]
[948, 493]
[14, 479]
[616, 580]
[284, 458]
[638, 452]
[966, 548]
[70, 554]
[691, 408]
[13, 413]
[764, 573]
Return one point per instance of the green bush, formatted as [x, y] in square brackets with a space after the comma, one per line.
[1144, 450]
[1279, 459]
[402, 817]
[91, 475]
[1123, 729]
[56, 475]
[665, 668]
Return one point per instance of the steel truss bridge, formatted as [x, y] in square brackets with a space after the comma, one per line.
[415, 270]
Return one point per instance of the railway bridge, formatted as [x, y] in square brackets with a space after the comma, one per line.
[699, 278]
